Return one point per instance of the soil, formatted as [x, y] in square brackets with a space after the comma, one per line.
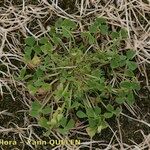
[7, 103]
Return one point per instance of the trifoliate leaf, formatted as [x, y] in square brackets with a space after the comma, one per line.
[30, 41]
[130, 98]
[43, 122]
[46, 110]
[91, 131]
[132, 65]
[81, 114]
[120, 100]
[35, 61]
[108, 115]
[70, 124]
[130, 54]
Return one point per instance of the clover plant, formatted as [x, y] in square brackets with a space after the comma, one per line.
[87, 74]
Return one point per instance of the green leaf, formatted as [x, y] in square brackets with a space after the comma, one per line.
[120, 100]
[56, 40]
[91, 131]
[122, 57]
[130, 85]
[38, 83]
[70, 124]
[36, 105]
[117, 111]
[37, 49]
[135, 85]
[110, 108]
[75, 105]
[123, 33]
[130, 54]
[100, 21]
[59, 117]
[43, 122]
[63, 122]
[88, 37]
[122, 63]
[56, 118]
[58, 23]
[114, 35]
[129, 73]
[47, 48]
[44, 40]
[22, 73]
[39, 72]
[46, 110]
[61, 91]
[125, 84]
[90, 112]
[46, 86]
[66, 33]
[93, 28]
[81, 114]
[68, 24]
[30, 41]
[108, 115]
[35, 109]
[34, 113]
[91, 39]
[28, 51]
[118, 61]
[93, 122]
[27, 77]
[114, 63]
[132, 65]
[104, 29]
[32, 89]
[130, 98]
[63, 131]
[103, 125]
[97, 110]
[35, 61]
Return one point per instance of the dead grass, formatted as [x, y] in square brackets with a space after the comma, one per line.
[19, 21]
